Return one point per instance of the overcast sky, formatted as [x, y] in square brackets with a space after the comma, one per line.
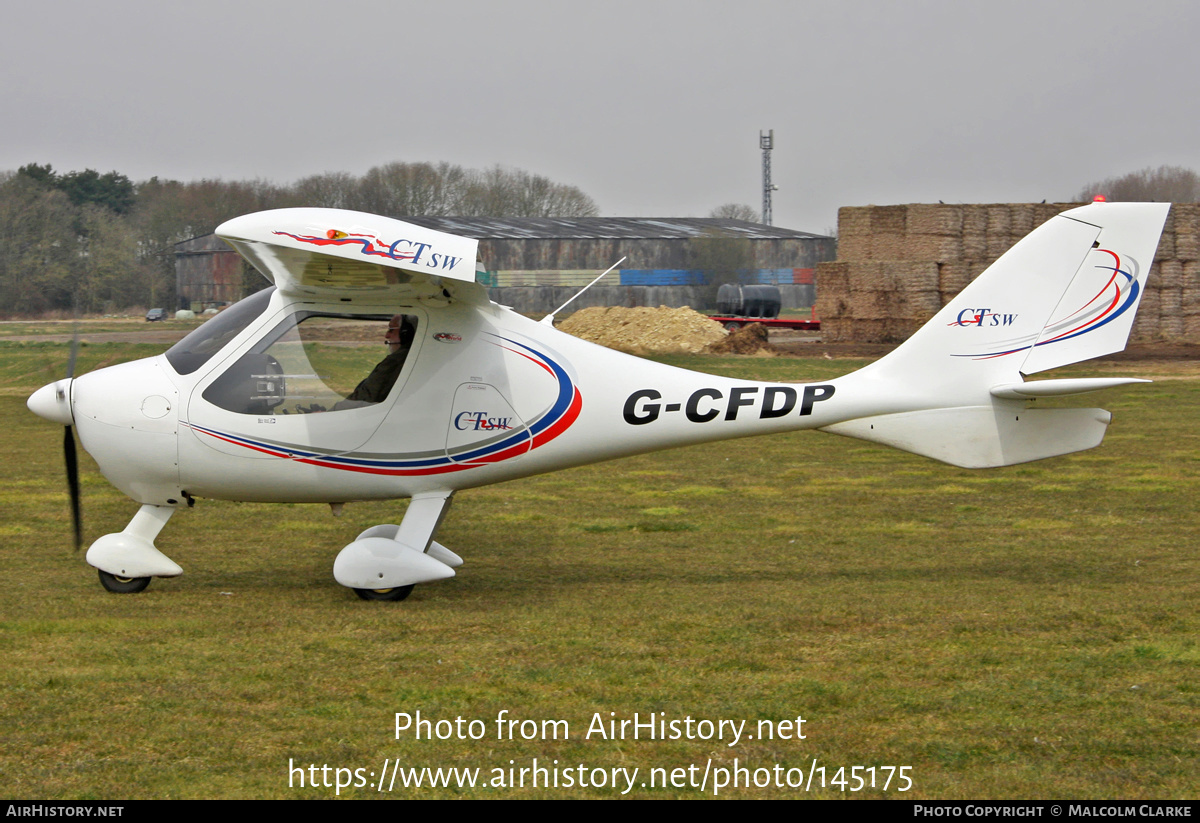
[651, 107]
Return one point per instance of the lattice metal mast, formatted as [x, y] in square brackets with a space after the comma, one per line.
[766, 142]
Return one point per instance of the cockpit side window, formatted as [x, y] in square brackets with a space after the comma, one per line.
[202, 343]
[314, 362]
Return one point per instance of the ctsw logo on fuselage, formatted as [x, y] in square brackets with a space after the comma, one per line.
[479, 421]
[704, 405]
[983, 317]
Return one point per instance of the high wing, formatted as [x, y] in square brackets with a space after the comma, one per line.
[333, 253]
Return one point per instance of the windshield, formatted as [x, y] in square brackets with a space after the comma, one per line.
[194, 351]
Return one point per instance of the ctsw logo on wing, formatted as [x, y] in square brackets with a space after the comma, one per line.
[402, 249]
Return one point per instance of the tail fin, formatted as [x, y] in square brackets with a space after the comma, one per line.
[1067, 292]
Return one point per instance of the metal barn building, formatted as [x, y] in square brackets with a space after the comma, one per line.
[527, 251]
[536, 263]
[207, 273]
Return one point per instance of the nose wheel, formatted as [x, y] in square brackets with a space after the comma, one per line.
[122, 585]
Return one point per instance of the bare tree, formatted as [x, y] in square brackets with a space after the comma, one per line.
[504, 192]
[736, 211]
[331, 190]
[406, 189]
[488, 193]
[403, 189]
[1166, 184]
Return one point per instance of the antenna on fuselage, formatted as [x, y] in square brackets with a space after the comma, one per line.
[549, 318]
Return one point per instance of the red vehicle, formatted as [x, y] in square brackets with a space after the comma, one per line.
[736, 322]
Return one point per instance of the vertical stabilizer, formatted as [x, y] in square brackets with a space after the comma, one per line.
[1096, 312]
[1067, 292]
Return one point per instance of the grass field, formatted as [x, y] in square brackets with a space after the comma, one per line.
[1028, 632]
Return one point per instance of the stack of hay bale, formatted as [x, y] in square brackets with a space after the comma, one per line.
[897, 265]
[1173, 293]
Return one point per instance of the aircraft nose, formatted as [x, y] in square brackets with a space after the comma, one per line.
[53, 402]
[126, 416]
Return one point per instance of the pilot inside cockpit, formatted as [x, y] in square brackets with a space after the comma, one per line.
[375, 386]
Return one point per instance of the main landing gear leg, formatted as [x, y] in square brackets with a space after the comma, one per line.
[385, 565]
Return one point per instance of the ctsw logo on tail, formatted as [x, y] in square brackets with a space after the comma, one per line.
[983, 317]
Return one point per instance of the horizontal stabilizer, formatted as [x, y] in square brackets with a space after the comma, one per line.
[978, 437]
[1060, 388]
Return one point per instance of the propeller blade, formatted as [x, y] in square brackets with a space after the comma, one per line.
[69, 455]
[72, 462]
[74, 351]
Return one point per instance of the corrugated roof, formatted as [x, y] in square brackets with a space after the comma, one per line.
[584, 228]
[569, 228]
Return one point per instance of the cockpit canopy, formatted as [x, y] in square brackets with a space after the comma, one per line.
[311, 361]
[316, 362]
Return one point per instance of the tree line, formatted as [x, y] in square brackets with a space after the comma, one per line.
[1165, 184]
[85, 242]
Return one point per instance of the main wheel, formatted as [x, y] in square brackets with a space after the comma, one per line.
[122, 585]
[732, 326]
[397, 594]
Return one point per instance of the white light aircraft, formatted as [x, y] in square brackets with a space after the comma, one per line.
[252, 406]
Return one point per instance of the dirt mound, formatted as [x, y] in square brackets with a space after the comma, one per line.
[751, 339]
[645, 330]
